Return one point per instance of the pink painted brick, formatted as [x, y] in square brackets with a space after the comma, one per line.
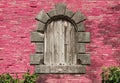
[17, 22]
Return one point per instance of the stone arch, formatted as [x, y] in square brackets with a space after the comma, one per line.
[38, 37]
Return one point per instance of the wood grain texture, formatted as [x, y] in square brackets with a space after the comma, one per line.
[70, 42]
[60, 43]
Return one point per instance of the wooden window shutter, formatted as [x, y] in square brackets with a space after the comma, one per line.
[60, 42]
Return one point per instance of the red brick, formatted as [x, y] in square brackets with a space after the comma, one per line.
[17, 21]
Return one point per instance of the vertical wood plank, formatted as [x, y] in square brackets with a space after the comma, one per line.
[47, 45]
[67, 42]
[52, 43]
[70, 44]
[58, 43]
[55, 58]
[73, 44]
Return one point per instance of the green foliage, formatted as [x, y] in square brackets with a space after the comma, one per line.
[111, 75]
[27, 78]
[7, 78]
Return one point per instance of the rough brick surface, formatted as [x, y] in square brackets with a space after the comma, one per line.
[17, 22]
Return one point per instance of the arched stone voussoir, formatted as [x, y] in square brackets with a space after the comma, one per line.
[60, 8]
[78, 17]
[52, 13]
[42, 16]
[81, 27]
[69, 13]
[41, 26]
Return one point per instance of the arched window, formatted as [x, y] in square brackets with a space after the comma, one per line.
[60, 42]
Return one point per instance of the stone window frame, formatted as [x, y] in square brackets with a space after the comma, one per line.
[76, 18]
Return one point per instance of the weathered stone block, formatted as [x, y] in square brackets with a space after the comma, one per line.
[42, 16]
[60, 9]
[52, 13]
[69, 13]
[60, 69]
[36, 37]
[84, 37]
[84, 58]
[39, 47]
[81, 48]
[41, 26]
[81, 27]
[78, 17]
[36, 59]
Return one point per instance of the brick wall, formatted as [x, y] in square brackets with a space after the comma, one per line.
[17, 22]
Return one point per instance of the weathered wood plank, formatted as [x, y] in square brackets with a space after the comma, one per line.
[54, 44]
[53, 58]
[36, 59]
[81, 48]
[41, 26]
[73, 44]
[69, 13]
[42, 16]
[39, 47]
[70, 54]
[75, 69]
[81, 27]
[84, 37]
[60, 43]
[37, 37]
[78, 17]
[60, 9]
[84, 58]
[48, 54]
